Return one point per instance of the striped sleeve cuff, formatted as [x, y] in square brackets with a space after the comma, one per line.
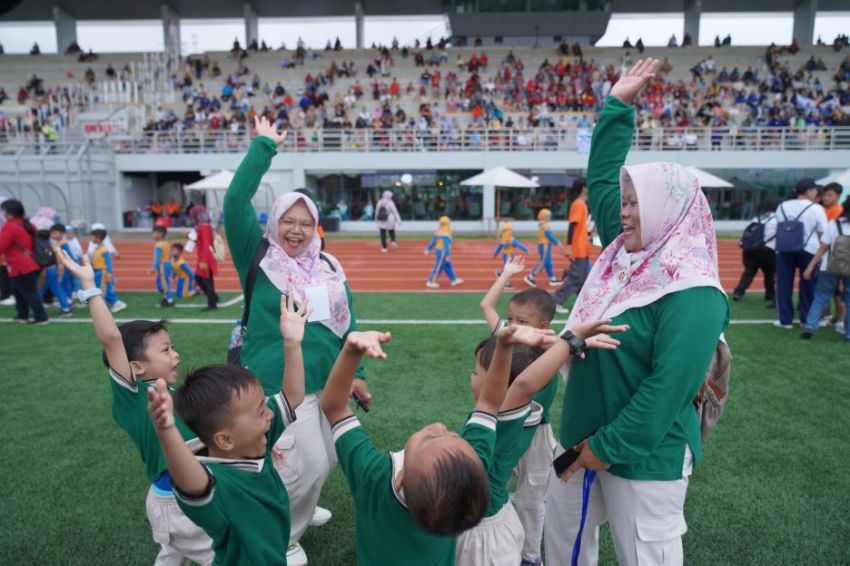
[341, 427]
[482, 419]
[285, 410]
[116, 377]
[514, 414]
[197, 501]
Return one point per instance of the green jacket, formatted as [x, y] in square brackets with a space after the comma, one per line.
[262, 349]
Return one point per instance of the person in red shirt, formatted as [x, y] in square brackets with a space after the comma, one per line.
[17, 238]
[578, 247]
[206, 267]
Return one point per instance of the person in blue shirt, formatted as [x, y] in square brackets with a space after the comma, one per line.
[545, 240]
[442, 243]
[181, 272]
[54, 274]
[508, 246]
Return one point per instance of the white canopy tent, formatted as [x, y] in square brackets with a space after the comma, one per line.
[217, 183]
[706, 179]
[842, 178]
[500, 177]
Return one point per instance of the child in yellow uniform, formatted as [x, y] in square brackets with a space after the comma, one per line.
[545, 240]
[442, 243]
[161, 266]
[508, 246]
[101, 262]
[180, 271]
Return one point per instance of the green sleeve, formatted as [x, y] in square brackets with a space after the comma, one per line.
[206, 511]
[240, 218]
[360, 373]
[688, 325]
[283, 416]
[612, 138]
[359, 459]
[480, 432]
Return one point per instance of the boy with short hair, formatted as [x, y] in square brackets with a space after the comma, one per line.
[533, 307]
[101, 262]
[233, 491]
[181, 271]
[54, 275]
[411, 504]
[161, 265]
[137, 354]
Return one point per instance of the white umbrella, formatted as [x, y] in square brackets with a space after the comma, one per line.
[221, 181]
[706, 179]
[500, 177]
[842, 178]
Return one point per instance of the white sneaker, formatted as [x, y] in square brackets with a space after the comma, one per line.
[839, 327]
[383, 250]
[824, 322]
[320, 517]
[8, 302]
[778, 324]
[119, 306]
[457, 282]
[555, 283]
[529, 281]
[295, 555]
[562, 309]
[394, 245]
[432, 285]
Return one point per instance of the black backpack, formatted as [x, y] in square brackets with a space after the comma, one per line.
[791, 234]
[42, 252]
[382, 214]
[753, 237]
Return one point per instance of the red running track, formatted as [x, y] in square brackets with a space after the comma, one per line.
[403, 269]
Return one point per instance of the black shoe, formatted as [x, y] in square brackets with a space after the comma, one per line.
[66, 314]
[166, 303]
[736, 297]
[770, 305]
[37, 322]
[806, 335]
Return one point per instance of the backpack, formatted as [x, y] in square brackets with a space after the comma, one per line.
[382, 214]
[790, 234]
[219, 250]
[42, 252]
[237, 335]
[839, 254]
[714, 392]
[753, 236]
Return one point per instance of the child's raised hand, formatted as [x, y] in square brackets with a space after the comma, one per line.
[369, 343]
[160, 405]
[267, 129]
[293, 319]
[633, 80]
[514, 265]
[83, 272]
[530, 336]
[595, 334]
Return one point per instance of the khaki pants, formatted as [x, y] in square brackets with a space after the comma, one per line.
[532, 481]
[310, 456]
[180, 539]
[646, 518]
[495, 541]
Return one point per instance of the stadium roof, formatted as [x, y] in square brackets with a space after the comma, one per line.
[42, 10]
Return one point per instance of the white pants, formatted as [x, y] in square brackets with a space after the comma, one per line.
[180, 539]
[532, 481]
[646, 518]
[310, 456]
[495, 541]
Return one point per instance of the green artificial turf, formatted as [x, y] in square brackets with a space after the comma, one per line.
[773, 488]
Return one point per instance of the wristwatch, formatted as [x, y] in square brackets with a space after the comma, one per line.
[577, 345]
[85, 295]
[502, 323]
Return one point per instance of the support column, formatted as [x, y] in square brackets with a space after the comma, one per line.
[358, 24]
[171, 30]
[252, 26]
[488, 207]
[804, 21]
[66, 28]
[692, 9]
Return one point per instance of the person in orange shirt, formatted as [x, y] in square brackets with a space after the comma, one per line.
[829, 201]
[577, 247]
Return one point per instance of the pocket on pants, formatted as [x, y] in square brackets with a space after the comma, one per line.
[659, 540]
[158, 521]
[292, 465]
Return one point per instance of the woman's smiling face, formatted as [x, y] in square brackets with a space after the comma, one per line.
[630, 218]
[295, 229]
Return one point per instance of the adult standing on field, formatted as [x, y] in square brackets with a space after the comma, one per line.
[388, 219]
[577, 247]
[206, 267]
[17, 240]
[292, 264]
[631, 411]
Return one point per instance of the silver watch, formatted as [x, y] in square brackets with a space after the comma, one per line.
[85, 295]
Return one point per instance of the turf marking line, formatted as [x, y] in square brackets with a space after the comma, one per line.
[376, 321]
[233, 301]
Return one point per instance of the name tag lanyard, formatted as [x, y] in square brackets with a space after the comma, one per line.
[589, 476]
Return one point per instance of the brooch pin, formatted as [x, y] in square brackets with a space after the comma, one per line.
[623, 275]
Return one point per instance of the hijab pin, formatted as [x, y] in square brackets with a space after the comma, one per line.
[623, 275]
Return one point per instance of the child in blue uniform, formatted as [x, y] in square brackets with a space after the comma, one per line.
[442, 243]
[162, 266]
[101, 262]
[181, 272]
[54, 274]
[545, 240]
[508, 246]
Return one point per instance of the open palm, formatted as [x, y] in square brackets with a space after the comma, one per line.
[632, 80]
[267, 129]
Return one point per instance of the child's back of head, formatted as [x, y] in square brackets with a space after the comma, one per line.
[532, 307]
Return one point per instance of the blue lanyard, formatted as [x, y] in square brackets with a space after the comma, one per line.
[589, 476]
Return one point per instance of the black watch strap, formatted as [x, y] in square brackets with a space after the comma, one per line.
[577, 345]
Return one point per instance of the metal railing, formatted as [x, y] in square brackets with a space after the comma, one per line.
[469, 139]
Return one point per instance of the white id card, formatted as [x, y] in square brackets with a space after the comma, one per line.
[319, 302]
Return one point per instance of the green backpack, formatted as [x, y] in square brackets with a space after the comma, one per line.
[839, 253]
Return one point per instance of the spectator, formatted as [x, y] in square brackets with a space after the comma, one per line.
[17, 242]
[388, 219]
[686, 40]
[672, 41]
[789, 258]
[35, 49]
[627, 44]
[639, 45]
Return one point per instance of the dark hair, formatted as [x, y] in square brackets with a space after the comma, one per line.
[452, 498]
[203, 400]
[541, 300]
[846, 206]
[99, 234]
[15, 209]
[834, 187]
[161, 229]
[177, 246]
[578, 185]
[522, 357]
[134, 336]
[42, 234]
[58, 227]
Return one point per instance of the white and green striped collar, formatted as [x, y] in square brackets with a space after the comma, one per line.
[397, 459]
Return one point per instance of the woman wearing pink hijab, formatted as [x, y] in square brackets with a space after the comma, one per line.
[292, 264]
[630, 412]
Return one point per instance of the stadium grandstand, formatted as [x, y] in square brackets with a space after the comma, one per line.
[104, 135]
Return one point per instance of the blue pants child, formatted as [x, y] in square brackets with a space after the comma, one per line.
[163, 281]
[109, 290]
[51, 281]
[824, 292]
[442, 264]
[70, 283]
[184, 288]
[545, 262]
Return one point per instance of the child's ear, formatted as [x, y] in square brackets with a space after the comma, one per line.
[223, 440]
[138, 369]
